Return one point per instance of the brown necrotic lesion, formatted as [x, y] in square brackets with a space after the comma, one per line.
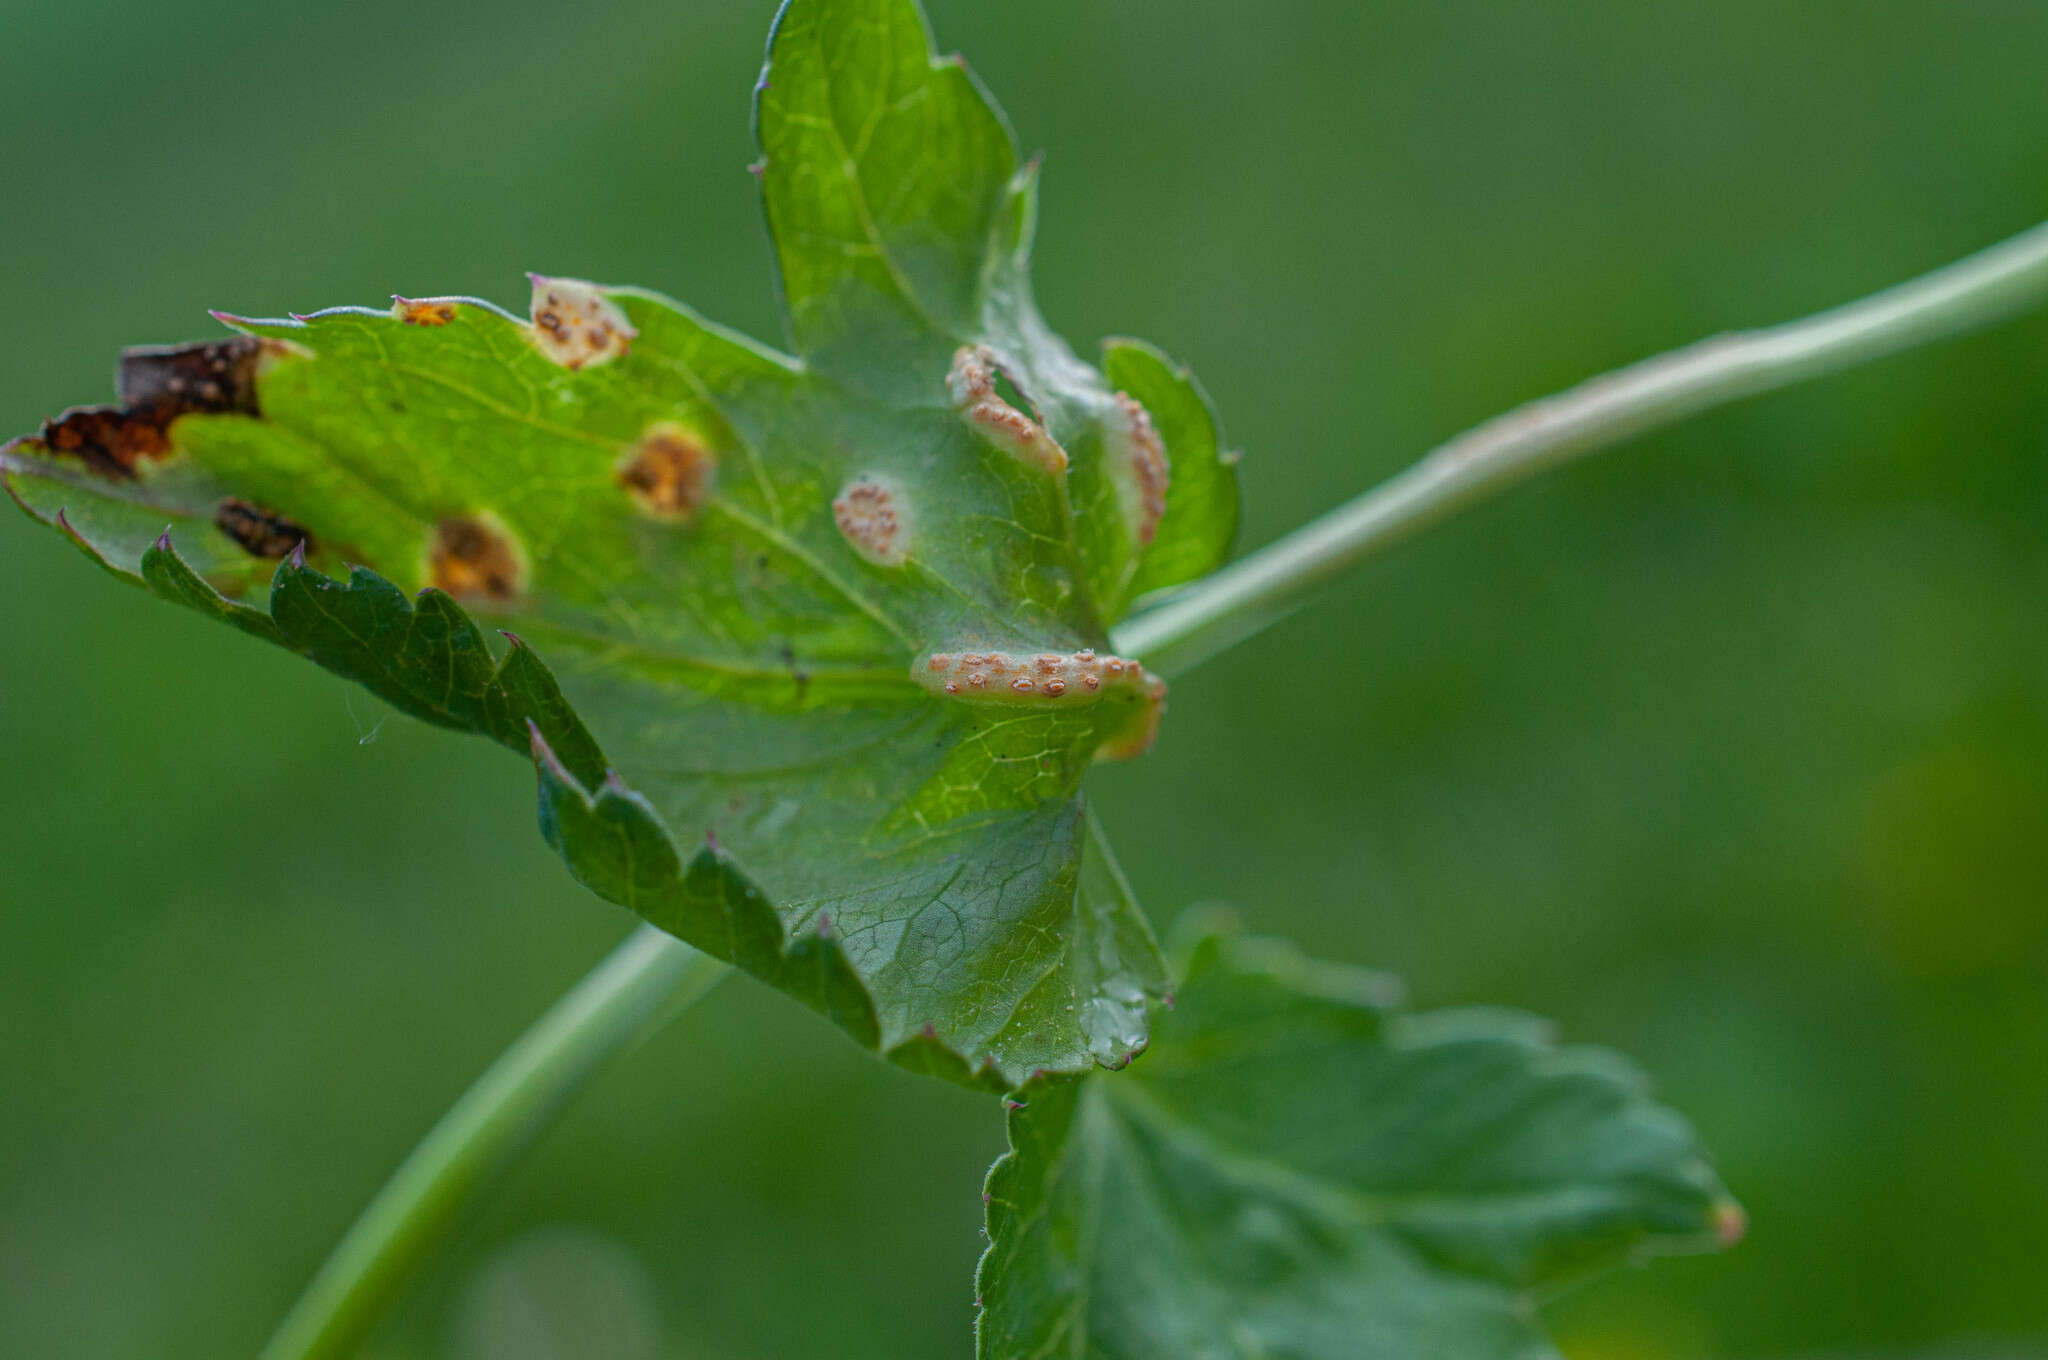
[259, 532]
[158, 384]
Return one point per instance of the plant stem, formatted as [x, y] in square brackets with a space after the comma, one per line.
[627, 996]
[1260, 589]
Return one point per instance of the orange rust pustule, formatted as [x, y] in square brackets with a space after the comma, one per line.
[1150, 473]
[874, 520]
[670, 472]
[260, 532]
[971, 383]
[157, 384]
[473, 559]
[1053, 679]
[423, 312]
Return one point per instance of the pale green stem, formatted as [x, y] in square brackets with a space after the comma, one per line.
[1265, 586]
[637, 987]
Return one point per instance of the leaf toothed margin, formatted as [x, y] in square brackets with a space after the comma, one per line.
[1306, 1169]
[428, 658]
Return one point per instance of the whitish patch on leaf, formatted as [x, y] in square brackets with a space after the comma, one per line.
[576, 325]
[972, 385]
[670, 471]
[873, 516]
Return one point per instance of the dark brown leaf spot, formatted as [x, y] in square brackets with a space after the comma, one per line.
[106, 439]
[260, 532]
[158, 384]
[472, 557]
[217, 376]
[669, 472]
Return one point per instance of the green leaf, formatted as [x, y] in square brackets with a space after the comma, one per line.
[824, 633]
[1300, 1168]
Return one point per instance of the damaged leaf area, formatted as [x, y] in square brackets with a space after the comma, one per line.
[1304, 1169]
[739, 564]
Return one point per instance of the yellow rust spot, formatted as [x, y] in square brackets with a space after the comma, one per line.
[874, 518]
[472, 557]
[576, 325]
[670, 471]
[424, 311]
[1053, 679]
[971, 383]
[1145, 472]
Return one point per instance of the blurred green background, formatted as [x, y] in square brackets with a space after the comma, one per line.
[1730, 750]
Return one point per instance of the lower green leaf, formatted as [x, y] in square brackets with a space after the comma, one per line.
[1301, 1169]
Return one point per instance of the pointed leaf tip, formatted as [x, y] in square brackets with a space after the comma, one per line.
[545, 757]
